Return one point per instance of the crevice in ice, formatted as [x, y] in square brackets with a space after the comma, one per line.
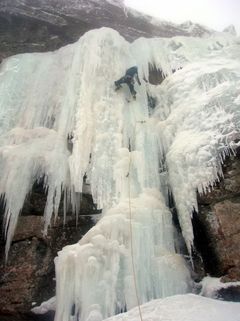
[156, 75]
[70, 142]
[152, 103]
[180, 245]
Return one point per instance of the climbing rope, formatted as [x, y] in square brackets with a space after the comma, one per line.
[131, 228]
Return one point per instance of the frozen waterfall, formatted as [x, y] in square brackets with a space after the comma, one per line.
[133, 156]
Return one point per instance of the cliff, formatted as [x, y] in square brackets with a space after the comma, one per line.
[42, 25]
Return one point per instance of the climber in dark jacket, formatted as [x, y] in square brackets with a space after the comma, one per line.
[129, 79]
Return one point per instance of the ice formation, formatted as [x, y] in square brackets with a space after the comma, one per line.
[133, 156]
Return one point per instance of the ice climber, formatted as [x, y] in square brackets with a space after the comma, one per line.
[130, 76]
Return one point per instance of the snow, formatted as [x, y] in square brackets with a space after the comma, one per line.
[188, 307]
[46, 306]
[132, 157]
[183, 308]
[210, 286]
[175, 308]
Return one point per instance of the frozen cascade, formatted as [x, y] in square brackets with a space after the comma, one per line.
[124, 151]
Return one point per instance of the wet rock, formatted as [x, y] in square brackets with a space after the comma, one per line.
[229, 294]
[217, 225]
[27, 278]
[28, 227]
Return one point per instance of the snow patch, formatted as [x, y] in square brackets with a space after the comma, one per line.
[184, 308]
[210, 286]
[46, 306]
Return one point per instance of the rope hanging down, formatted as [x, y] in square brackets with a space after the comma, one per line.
[131, 229]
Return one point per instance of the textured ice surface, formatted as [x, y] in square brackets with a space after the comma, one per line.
[130, 157]
[99, 269]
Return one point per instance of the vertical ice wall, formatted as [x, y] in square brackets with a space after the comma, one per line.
[131, 158]
[97, 272]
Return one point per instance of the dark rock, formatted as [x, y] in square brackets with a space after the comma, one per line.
[203, 246]
[28, 227]
[217, 225]
[36, 201]
[232, 293]
[43, 25]
[28, 275]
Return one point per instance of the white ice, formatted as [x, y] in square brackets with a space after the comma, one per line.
[133, 156]
[99, 268]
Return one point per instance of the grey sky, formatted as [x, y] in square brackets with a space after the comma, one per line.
[216, 14]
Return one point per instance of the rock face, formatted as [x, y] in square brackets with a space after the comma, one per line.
[217, 225]
[42, 25]
[28, 277]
